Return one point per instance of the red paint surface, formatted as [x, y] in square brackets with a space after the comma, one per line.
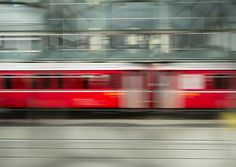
[60, 100]
[205, 100]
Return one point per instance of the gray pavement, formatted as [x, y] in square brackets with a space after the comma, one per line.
[113, 143]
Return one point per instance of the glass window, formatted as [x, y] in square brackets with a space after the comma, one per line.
[183, 41]
[191, 81]
[41, 82]
[69, 41]
[21, 82]
[131, 41]
[91, 81]
[72, 82]
[8, 82]
[2, 86]
[221, 81]
[99, 82]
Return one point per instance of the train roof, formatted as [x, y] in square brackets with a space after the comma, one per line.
[117, 66]
[70, 66]
[196, 66]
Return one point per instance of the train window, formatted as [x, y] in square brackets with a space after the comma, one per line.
[41, 82]
[72, 82]
[191, 81]
[99, 82]
[21, 82]
[2, 82]
[59, 81]
[115, 81]
[8, 83]
[221, 81]
[90, 81]
[105, 81]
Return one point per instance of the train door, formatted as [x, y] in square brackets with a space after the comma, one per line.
[165, 92]
[134, 90]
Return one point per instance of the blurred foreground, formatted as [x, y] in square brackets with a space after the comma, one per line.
[126, 143]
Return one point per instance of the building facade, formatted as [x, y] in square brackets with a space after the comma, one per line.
[153, 30]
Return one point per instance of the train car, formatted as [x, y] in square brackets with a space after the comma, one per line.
[195, 85]
[117, 85]
[72, 85]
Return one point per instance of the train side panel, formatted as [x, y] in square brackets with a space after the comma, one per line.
[195, 86]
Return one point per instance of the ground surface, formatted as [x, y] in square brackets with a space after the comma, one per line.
[115, 143]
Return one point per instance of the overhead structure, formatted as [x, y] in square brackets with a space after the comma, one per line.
[127, 30]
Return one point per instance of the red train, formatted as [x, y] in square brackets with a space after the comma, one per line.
[117, 85]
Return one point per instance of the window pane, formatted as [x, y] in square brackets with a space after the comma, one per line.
[191, 81]
[221, 81]
[8, 83]
[72, 82]
[131, 41]
[42, 82]
[100, 82]
[21, 83]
